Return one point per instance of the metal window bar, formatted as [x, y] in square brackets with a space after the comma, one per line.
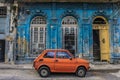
[69, 27]
[38, 35]
[3, 11]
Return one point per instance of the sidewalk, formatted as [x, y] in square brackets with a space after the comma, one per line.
[16, 66]
[105, 67]
[93, 67]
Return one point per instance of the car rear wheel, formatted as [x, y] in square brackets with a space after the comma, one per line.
[44, 72]
[81, 72]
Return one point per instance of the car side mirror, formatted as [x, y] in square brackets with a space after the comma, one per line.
[70, 58]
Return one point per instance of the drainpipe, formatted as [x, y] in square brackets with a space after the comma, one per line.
[12, 35]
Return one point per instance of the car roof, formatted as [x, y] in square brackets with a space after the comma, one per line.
[56, 50]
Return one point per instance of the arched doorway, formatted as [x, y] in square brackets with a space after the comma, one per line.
[101, 47]
[38, 35]
[69, 34]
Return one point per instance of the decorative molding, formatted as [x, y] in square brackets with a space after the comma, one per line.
[41, 13]
[92, 1]
[70, 13]
[101, 13]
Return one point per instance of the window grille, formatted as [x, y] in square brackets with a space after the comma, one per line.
[69, 34]
[38, 35]
[3, 11]
[69, 20]
[99, 21]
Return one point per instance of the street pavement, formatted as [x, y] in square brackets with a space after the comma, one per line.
[12, 74]
[27, 72]
[93, 67]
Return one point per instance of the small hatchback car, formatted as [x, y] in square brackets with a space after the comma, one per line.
[60, 60]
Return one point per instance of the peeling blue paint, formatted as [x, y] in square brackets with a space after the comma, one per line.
[84, 13]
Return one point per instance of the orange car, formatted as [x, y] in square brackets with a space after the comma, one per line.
[60, 60]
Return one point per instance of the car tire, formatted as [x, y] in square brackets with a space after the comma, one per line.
[44, 72]
[81, 72]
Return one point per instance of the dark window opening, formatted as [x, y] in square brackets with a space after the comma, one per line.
[96, 45]
[2, 50]
[69, 34]
[3, 11]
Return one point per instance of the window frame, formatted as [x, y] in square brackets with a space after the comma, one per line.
[67, 28]
[49, 53]
[3, 11]
[62, 56]
[38, 35]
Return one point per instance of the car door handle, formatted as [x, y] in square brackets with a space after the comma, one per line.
[41, 60]
[56, 60]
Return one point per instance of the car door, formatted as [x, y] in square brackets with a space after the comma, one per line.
[64, 62]
[49, 59]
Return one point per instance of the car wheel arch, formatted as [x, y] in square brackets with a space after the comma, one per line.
[44, 71]
[80, 67]
[44, 66]
[81, 71]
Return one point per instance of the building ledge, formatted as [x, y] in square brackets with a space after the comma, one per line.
[93, 1]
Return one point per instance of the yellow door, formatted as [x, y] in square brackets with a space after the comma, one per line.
[104, 44]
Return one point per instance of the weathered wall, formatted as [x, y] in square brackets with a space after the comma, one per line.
[54, 12]
[4, 28]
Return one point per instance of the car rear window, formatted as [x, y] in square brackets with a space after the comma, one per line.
[49, 55]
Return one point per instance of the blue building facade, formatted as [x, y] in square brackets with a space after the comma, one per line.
[4, 31]
[85, 29]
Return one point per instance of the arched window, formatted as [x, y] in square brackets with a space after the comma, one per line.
[69, 34]
[38, 35]
[69, 20]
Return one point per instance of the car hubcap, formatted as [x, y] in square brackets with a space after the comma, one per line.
[80, 73]
[44, 72]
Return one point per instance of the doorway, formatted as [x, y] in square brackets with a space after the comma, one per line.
[96, 45]
[101, 47]
[2, 50]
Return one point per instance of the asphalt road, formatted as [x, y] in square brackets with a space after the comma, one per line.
[8, 74]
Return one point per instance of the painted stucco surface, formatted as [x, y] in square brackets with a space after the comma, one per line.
[55, 12]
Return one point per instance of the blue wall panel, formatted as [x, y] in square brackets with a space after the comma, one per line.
[84, 13]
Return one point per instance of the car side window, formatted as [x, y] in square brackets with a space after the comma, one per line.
[63, 55]
[49, 55]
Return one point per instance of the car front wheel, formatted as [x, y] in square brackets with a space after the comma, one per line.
[81, 72]
[44, 72]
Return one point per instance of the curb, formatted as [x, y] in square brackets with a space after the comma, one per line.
[17, 68]
[26, 68]
[104, 70]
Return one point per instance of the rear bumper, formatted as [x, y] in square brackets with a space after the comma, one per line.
[89, 68]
